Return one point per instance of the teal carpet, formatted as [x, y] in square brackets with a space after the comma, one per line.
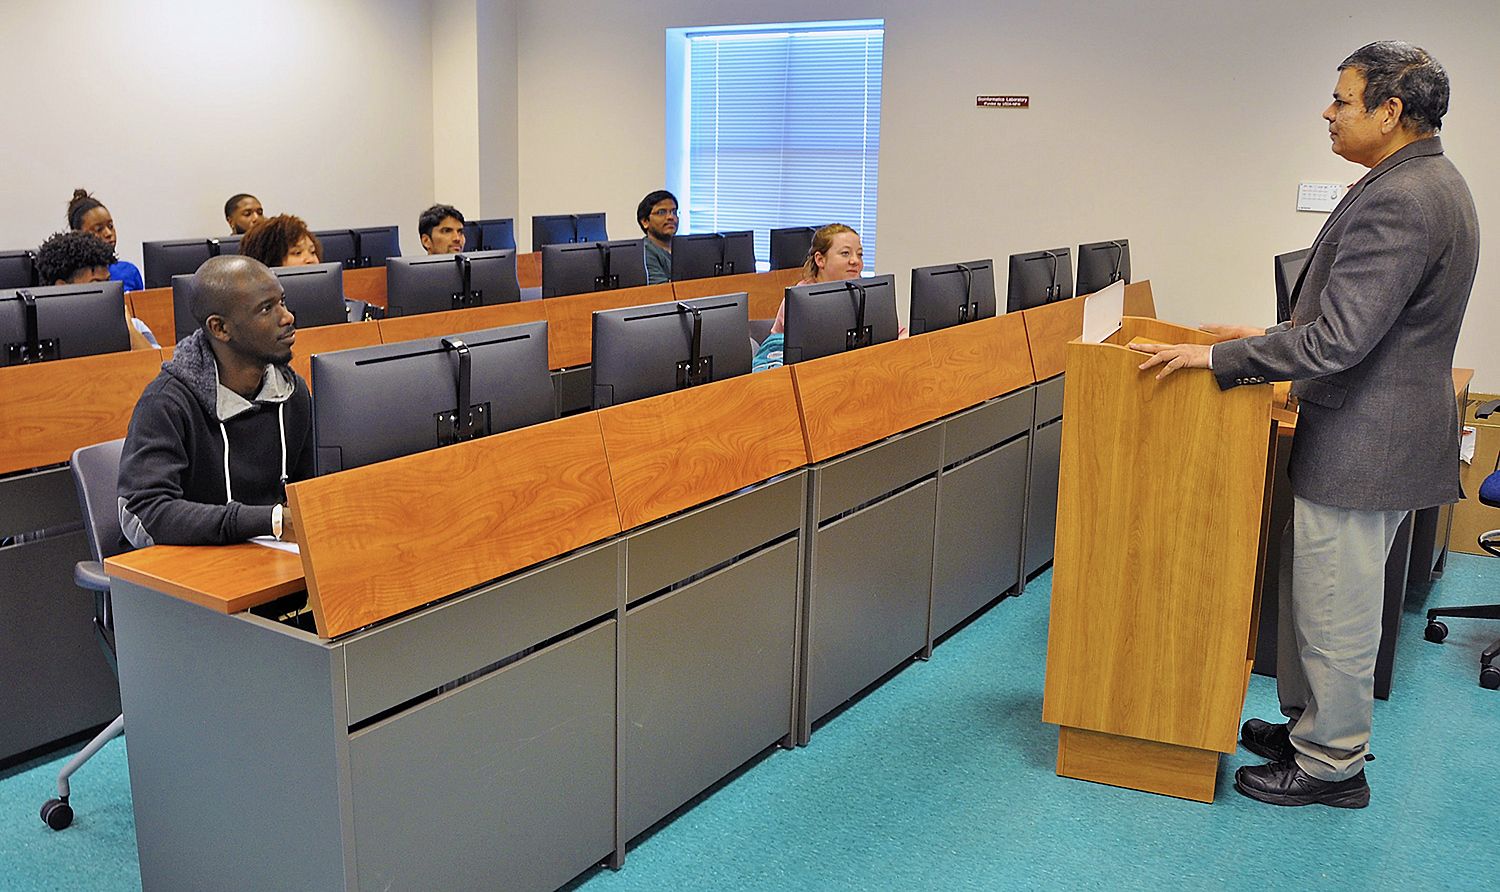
[943, 779]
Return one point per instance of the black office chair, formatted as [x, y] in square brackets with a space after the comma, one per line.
[96, 472]
[1436, 631]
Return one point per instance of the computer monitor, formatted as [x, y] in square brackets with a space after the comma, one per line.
[62, 322]
[492, 276]
[490, 235]
[951, 293]
[165, 259]
[499, 375]
[377, 243]
[182, 306]
[789, 246]
[658, 348]
[430, 284]
[830, 317]
[229, 244]
[1037, 278]
[340, 246]
[708, 254]
[17, 269]
[592, 266]
[565, 229]
[314, 294]
[1288, 271]
[1101, 264]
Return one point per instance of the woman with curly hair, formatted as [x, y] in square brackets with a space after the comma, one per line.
[283, 240]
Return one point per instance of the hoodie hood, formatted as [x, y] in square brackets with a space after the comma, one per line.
[193, 364]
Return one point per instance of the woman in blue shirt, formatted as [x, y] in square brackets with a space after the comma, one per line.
[88, 214]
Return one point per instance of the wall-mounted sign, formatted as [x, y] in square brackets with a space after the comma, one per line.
[1003, 101]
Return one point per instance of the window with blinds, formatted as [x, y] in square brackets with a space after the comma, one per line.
[776, 125]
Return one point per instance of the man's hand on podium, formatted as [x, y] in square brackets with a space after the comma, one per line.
[1171, 357]
[1230, 332]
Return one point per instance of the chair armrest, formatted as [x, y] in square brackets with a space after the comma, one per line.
[90, 575]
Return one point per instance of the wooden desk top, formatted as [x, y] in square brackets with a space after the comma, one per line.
[225, 579]
[432, 325]
[327, 339]
[853, 399]
[765, 289]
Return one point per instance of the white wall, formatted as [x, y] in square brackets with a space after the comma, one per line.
[1182, 126]
[164, 109]
[474, 90]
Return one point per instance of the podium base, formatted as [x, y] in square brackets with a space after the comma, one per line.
[1165, 768]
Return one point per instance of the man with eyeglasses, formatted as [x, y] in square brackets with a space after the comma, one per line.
[657, 214]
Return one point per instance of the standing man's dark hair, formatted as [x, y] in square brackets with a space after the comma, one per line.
[441, 228]
[1369, 349]
[1394, 69]
[657, 217]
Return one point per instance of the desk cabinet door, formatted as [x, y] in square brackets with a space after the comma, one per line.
[980, 515]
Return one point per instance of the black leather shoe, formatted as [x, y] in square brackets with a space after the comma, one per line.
[1273, 742]
[1283, 783]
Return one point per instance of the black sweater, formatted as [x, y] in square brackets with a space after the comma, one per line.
[172, 471]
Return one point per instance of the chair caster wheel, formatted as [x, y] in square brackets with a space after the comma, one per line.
[1436, 631]
[1489, 677]
[57, 814]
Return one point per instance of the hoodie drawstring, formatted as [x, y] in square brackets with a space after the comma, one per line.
[281, 425]
[228, 492]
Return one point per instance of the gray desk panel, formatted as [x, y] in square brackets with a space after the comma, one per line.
[673, 550]
[867, 604]
[970, 433]
[1049, 399]
[1041, 499]
[878, 469]
[397, 661]
[39, 500]
[54, 681]
[236, 773]
[506, 782]
[707, 684]
[980, 519]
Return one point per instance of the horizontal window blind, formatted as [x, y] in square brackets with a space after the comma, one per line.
[783, 130]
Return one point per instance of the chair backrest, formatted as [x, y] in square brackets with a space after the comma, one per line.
[96, 474]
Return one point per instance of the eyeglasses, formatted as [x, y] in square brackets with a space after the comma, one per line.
[664, 212]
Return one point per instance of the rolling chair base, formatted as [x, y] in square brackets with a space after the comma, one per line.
[57, 813]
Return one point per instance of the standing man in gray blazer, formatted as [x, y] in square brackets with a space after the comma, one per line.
[1370, 347]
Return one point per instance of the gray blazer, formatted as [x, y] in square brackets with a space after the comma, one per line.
[1374, 323]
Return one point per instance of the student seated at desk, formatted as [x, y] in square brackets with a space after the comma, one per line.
[282, 240]
[243, 213]
[834, 255]
[657, 216]
[227, 423]
[77, 258]
[441, 228]
[87, 214]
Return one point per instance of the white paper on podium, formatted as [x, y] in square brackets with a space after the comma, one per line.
[1101, 313]
[271, 542]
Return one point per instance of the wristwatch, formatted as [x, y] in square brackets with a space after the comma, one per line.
[276, 522]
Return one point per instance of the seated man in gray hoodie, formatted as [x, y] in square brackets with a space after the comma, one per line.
[226, 424]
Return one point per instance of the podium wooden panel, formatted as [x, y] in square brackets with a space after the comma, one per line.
[674, 451]
[227, 579]
[570, 320]
[432, 325]
[979, 360]
[327, 339]
[852, 399]
[765, 289]
[1050, 327]
[1160, 534]
[48, 409]
[388, 537]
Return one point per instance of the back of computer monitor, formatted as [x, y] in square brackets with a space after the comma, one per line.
[1288, 270]
[315, 293]
[356, 421]
[822, 318]
[647, 350]
[166, 259]
[17, 269]
[182, 305]
[789, 246]
[423, 284]
[377, 243]
[580, 268]
[590, 227]
[492, 277]
[229, 244]
[552, 229]
[703, 255]
[490, 235]
[951, 293]
[338, 247]
[77, 320]
[1101, 264]
[1037, 278]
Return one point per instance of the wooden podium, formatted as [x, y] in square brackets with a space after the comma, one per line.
[1161, 522]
